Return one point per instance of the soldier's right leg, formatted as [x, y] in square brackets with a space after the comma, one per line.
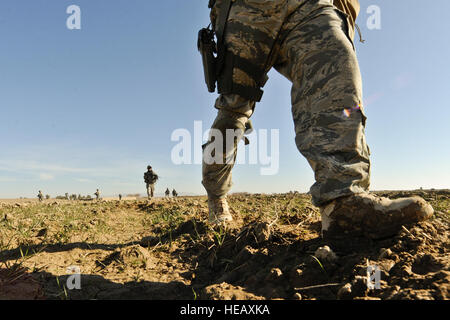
[318, 56]
[218, 156]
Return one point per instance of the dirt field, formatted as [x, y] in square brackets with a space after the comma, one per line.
[164, 249]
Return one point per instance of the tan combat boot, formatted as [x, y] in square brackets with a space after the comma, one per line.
[219, 211]
[369, 216]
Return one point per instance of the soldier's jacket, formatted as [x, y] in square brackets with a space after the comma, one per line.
[150, 177]
[350, 7]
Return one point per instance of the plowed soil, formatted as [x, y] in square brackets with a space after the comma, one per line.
[165, 249]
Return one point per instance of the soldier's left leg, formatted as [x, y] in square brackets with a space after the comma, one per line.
[233, 113]
[250, 34]
[219, 153]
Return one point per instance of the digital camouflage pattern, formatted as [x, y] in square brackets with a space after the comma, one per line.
[310, 43]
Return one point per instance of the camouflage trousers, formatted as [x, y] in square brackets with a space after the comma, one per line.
[310, 43]
[150, 190]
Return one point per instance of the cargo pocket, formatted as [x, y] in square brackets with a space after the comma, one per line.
[349, 31]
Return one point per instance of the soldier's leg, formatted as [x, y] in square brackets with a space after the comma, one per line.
[220, 152]
[233, 113]
[148, 190]
[250, 33]
[319, 58]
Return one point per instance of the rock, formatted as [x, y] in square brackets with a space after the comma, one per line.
[225, 291]
[297, 279]
[386, 265]
[345, 292]
[325, 254]
[262, 232]
[385, 253]
[274, 275]
[359, 286]
[244, 255]
[297, 272]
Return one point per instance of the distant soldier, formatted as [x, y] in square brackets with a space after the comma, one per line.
[97, 194]
[167, 192]
[67, 196]
[40, 196]
[150, 179]
[174, 193]
[120, 197]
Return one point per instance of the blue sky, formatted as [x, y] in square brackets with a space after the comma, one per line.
[90, 108]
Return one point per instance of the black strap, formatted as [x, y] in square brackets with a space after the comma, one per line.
[251, 93]
[255, 72]
[224, 12]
